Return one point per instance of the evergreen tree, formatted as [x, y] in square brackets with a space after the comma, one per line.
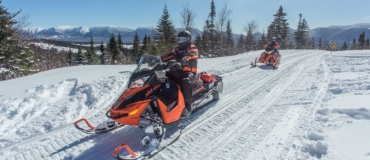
[367, 44]
[263, 39]
[167, 30]
[102, 55]
[279, 28]
[354, 44]
[249, 41]
[80, 58]
[301, 34]
[205, 39]
[145, 43]
[344, 46]
[136, 47]
[320, 44]
[312, 43]
[69, 57]
[361, 41]
[241, 44]
[113, 49]
[211, 31]
[14, 54]
[93, 57]
[229, 39]
[198, 43]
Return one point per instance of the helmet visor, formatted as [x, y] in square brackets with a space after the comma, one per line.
[182, 39]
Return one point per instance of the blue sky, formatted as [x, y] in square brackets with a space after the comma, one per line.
[145, 13]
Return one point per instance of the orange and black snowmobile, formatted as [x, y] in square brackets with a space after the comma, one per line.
[151, 101]
[269, 57]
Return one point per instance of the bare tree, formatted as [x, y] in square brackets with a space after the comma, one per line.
[222, 19]
[187, 17]
[250, 29]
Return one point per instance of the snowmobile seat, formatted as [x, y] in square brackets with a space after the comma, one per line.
[197, 82]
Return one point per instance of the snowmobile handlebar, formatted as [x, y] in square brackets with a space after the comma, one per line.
[172, 65]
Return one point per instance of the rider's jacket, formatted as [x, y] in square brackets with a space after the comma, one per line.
[187, 57]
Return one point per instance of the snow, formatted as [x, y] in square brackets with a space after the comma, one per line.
[3, 70]
[62, 29]
[314, 106]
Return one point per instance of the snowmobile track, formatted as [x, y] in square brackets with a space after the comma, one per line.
[225, 109]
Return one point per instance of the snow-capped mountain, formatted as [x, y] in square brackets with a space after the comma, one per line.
[101, 33]
[337, 34]
[340, 34]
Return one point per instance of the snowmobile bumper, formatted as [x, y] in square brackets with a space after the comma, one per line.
[91, 130]
[107, 126]
[132, 153]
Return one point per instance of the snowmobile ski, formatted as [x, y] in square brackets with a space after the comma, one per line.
[161, 143]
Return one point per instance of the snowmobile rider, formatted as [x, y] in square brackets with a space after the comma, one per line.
[273, 45]
[187, 54]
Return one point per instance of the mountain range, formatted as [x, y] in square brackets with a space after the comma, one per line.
[338, 34]
[101, 33]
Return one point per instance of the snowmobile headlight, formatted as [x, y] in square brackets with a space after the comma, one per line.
[138, 82]
[133, 112]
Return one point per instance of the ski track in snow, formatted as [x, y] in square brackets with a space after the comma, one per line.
[256, 116]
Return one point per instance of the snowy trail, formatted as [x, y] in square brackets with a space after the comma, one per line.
[232, 117]
[263, 113]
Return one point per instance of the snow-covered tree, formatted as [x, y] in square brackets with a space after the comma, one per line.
[14, 54]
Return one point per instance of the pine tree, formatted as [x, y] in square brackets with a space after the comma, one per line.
[198, 43]
[263, 39]
[279, 28]
[136, 47]
[367, 44]
[14, 54]
[249, 41]
[69, 57]
[229, 39]
[241, 44]
[80, 58]
[113, 49]
[211, 31]
[144, 46]
[205, 39]
[93, 57]
[320, 44]
[301, 34]
[102, 55]
[167, 30]
[344, 46]
[354, 44]
[361, 41]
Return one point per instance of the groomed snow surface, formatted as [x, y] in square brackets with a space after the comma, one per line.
[314, 106]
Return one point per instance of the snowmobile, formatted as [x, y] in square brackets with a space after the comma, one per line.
[268, 57]
[151, 100]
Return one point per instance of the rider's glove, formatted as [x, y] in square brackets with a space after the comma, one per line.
[184, 61]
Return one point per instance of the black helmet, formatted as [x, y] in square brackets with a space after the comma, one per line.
[184, 39]
[274, 39]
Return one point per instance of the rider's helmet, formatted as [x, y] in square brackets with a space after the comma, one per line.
[273, 39]
[184, 39]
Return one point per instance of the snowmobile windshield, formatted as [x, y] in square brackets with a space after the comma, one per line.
[147, 62]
